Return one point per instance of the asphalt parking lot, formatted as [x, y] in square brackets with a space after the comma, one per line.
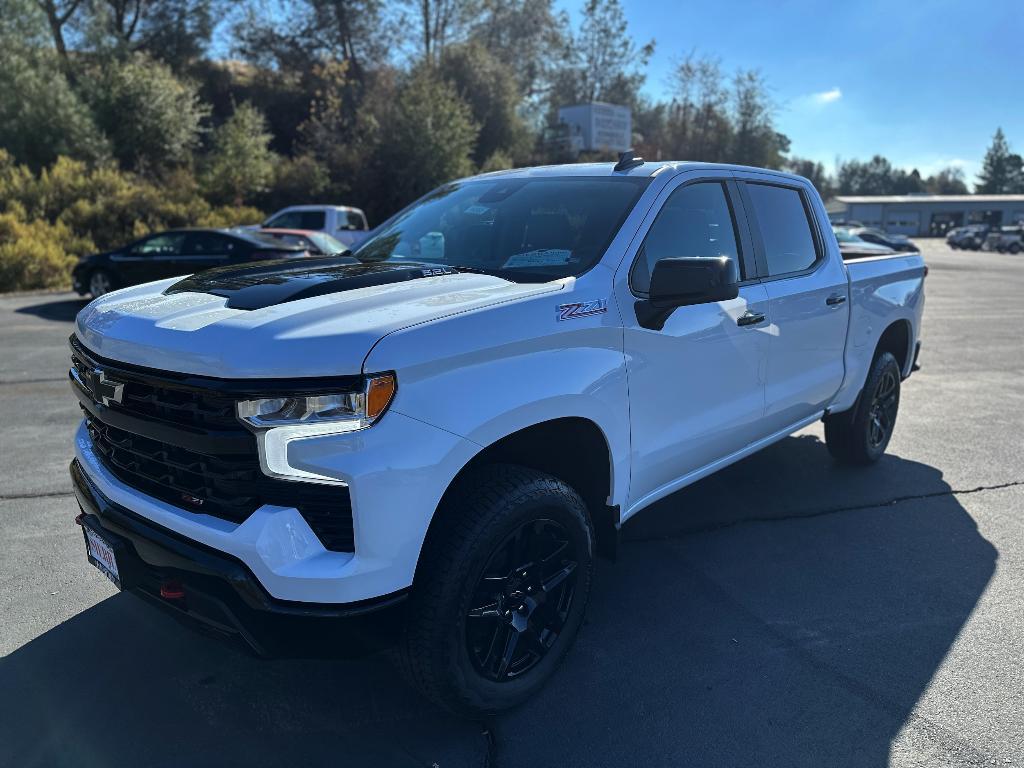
[785, 612]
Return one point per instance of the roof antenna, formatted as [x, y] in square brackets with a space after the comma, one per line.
[628, 160]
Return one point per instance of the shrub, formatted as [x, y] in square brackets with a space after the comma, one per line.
[69, 209]
[36, 254]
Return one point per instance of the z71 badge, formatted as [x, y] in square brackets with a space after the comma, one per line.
[582, 309]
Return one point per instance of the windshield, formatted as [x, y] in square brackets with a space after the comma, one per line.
[319, 240]
[519, 229]
[844, 236]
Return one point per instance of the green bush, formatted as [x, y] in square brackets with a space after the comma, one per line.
[48, 220]
[37, 254]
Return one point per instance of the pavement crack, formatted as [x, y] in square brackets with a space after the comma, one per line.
[12, 382]
[39, 495]
[809, 515]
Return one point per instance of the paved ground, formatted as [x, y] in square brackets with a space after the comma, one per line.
[783, 613]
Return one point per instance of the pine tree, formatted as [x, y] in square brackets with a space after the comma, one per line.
[1002, 171]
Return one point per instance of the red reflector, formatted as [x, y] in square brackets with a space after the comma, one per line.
[172, 590]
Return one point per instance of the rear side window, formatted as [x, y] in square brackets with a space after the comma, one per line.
[208, 244]
[695, 221]
[297, 220]
[785, 227]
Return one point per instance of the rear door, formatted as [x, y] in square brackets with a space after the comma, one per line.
[808, 294]
[696, 386]
[204, 250]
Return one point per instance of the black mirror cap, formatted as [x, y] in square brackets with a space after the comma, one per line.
[680, 282]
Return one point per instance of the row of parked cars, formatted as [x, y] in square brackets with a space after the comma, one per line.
[859, 241]
[982, 237]
[299, 231]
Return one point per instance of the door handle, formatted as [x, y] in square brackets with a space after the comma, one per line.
[836, 299]
[750, 318]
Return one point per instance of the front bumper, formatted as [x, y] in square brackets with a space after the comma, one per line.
[222, 596]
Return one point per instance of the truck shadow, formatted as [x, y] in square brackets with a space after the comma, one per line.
[721, 637]
[57, 310]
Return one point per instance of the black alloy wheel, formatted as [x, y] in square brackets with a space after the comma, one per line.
[522, 600]
[884, 402]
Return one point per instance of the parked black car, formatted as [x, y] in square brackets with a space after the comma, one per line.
[172, 253]
[878, 237]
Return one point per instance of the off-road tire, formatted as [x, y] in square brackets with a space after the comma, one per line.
[851, 436]
[487, 507]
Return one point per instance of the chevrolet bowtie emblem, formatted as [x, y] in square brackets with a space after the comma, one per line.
[103, 389]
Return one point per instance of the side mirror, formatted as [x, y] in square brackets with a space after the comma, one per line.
[680, 282]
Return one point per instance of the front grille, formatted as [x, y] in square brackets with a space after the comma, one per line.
[228, 485]
[223, 486]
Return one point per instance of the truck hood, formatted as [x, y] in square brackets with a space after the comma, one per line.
[282, 319]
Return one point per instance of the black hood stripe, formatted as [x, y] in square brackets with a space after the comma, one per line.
[268, 283]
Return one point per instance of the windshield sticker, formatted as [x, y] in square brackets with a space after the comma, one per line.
[582, 309]
[543, 257]
[432, 246]
[477, 210]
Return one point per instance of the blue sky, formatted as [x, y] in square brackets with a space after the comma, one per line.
[924, 83]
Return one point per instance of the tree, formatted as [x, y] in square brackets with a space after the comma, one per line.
[814, 172]
[41, 115]
[240, 165]
[173, 31]
[948, 181]
[877, 177]
[699, 124]
[602, 62]
[755, 140]
[1002, 171]
[58, 14]
[523, 35]
[429, 135]
[151, 117]
[440, 22]
[493, 97]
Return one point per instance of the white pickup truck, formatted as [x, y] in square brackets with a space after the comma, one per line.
[342, 222]
[428, 448]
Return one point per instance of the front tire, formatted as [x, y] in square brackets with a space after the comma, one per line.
[501, 591]
[860, 435]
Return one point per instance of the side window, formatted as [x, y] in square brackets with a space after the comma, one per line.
[351, 220]
[785, 226]
[167, 244]
[208, 244]
[696, 220]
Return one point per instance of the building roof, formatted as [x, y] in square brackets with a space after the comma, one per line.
[930, 198]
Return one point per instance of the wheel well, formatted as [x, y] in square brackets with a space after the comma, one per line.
[573, 450]
[896, 339]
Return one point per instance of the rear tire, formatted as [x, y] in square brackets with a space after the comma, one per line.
[1014, 248]
[100, 282]
[501, 591]
[860, 436]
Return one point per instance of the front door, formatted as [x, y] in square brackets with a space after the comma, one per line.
[696, 386]
[150, 258]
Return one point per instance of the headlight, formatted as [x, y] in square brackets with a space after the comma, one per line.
[279, 421]
[355, 409]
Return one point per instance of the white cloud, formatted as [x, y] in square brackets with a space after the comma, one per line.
[827, 97]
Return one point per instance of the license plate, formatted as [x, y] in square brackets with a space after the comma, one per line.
[101, 554]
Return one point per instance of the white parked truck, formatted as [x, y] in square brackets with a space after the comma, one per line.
[342, 222]
[428, 448]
